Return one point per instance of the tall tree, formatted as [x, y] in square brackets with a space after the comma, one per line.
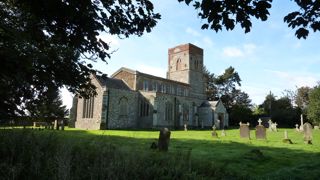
[221, 14]
[302, 98]
[314, 105]
[48, 106]
[41, 43]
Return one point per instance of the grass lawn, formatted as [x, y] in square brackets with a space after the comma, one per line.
[200, 153]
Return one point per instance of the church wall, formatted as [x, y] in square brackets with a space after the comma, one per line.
[122, 109]
[94, 122]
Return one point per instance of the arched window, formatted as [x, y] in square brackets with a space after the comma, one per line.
[123, 105]
[178, 64]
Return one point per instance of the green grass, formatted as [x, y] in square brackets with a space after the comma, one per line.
[192, 154]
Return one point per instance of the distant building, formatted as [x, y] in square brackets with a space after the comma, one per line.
[132, 99]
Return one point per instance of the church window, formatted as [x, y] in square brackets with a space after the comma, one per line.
[123, 107]
[145, 85]
[88, 105]
[144, 108]
[155, 86]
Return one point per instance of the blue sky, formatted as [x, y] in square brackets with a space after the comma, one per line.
[269, 58]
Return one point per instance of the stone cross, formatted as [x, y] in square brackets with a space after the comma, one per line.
[275, 126]
[270, 125]
[297, 127]
[259, 121]
[223, 132]
[214, 127]
[301, 121]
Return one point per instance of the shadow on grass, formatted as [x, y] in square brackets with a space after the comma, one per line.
[78, 154]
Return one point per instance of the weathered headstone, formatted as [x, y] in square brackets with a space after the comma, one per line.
[307, 130]
[270, 125]
[316, 127]
[56, 125]
[286, 138]
[223, 132]
[260, 132]
[164, 139]
[297, 128]
[244, 130]
[185, 127]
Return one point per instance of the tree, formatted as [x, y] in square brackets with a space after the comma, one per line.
[302, 98]
[227, 14]
[48, 106]
[314, 105]
[49, 43]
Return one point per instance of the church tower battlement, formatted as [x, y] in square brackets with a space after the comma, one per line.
[185, 64]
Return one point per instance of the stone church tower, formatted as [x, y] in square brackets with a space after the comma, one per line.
[185, 63]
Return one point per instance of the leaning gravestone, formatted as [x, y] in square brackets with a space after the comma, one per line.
[260, 131]
[164, 139]
[244, 130]
[307, 130]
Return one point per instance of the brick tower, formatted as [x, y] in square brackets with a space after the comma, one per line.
[185, 63]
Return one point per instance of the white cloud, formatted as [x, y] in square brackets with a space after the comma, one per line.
[239, 52]
[293, 79]
[232, 52]
[206, 40]
[193, 32]
[153, 70]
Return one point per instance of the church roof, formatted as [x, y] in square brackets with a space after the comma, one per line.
[113, 83]
[212, 104]
[147, 75]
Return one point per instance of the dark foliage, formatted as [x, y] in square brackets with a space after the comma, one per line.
[41, 43]
[221, 14]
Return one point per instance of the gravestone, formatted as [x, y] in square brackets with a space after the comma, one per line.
[223, 132]
[307, 130]
[244, 130]
[164, 139]
[62, 125]
[260, 131]
[316, 127]
[270, 125]
[56, 125]
[185, 127]
[274, 127]
[286, 138]
[297, 128]
[214, 132]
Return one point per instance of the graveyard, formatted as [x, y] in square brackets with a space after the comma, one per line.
[191, 154]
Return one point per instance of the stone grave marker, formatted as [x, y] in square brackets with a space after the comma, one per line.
[223, 132]
[307, 130]
[301, 121]
[164, 139]
[297, 128]
[62, 125]
[56, 125]
[244, 130]
[260, 131]
[270, 125]
[274, 127]
[286, 138]
[185, 127]
[316, 127]
[214, 132]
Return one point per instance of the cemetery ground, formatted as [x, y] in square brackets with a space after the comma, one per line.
[126, 154]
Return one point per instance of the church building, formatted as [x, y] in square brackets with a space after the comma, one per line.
[131, 99]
